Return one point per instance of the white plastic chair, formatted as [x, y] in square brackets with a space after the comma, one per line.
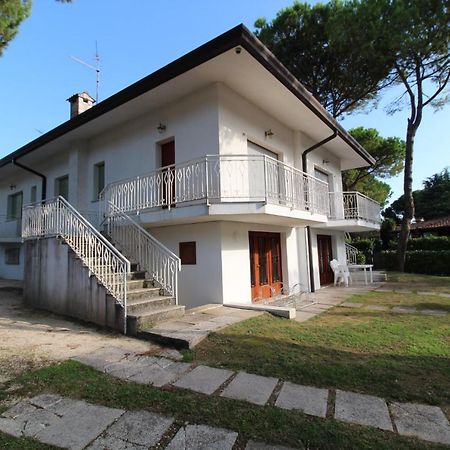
[341, 272]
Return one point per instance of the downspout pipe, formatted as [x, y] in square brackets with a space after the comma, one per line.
[308, 228]
[35, 172]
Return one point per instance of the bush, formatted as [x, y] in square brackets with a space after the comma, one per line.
[420, 261]
[365, 248]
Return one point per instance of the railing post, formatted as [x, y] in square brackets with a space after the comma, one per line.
[207, 181]
[266, 182]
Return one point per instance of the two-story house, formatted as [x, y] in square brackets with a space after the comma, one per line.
[220, 164]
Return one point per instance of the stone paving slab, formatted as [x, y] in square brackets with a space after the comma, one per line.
[308, 399]
[434, 312]
[80, 426]
[158, 375]
[140, 428]
[204, 379]
[352, 305]
[61, 422]
[404, 310]
[113, 443]
[202, 437]
[102, 357]
[126, 368]
[250, 388]
[377, 308]
[252, 445]
[303, 316]
[362, 409]
[423, 421]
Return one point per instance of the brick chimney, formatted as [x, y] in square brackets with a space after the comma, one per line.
[80, 103]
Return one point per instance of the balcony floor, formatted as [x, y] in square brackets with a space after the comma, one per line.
[350, 225]
[236, 212]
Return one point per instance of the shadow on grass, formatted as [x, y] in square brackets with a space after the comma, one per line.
[392, 375]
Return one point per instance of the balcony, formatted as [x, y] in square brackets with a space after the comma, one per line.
[353, 211]
[10, 229]
[253, 188]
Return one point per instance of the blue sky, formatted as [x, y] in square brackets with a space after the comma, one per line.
[136, 37]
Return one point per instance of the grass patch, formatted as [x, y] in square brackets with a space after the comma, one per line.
[11, 443]
[418, 282]
[268, 424]
[403, 299]
[404, 357]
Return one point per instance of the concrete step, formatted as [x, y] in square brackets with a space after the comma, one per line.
[139, 284]
[144, 293]
[138, 275]
[141, 306]
[138, 323]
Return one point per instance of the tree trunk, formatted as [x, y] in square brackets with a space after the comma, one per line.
[408, 196]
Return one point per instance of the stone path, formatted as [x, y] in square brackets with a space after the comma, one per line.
[77, 425]
[395, 309]
[408, 419]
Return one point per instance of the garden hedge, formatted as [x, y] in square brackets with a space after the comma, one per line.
[428, 262]
[425, 243]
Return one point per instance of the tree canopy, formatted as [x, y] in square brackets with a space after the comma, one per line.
[388, 153]
[12, 13]
[324, 47]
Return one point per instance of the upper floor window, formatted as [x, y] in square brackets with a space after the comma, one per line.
[323, 176]
[62, 187]
[12, 256]
[14, 207]
[99, 179]
[33, 194]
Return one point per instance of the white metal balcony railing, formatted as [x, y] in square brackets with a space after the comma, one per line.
[157, 260]
[10, 228]
[354, 205]
[220, 179]
[57, 217]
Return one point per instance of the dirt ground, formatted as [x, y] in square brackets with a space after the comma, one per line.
[30, 338]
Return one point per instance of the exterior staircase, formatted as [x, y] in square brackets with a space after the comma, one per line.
[146, 303]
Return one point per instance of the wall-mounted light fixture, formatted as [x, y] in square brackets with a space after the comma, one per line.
[12, 187]
[161, 128]
[268, 133]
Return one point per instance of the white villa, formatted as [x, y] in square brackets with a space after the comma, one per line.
[216, 179]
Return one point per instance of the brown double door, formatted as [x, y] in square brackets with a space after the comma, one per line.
[168, 187]
[325, 256]
[265, 265]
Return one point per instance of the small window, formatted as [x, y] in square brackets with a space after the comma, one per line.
[33, 194]
[188, 253]
[14, 207]
[99, 179]
[12, 256]
[62, 187]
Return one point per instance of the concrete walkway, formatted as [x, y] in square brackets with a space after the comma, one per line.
[408, 419]
[77, 425]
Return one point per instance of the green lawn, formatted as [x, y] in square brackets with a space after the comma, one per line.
[268, 424]
[417, 282]
[402, 357]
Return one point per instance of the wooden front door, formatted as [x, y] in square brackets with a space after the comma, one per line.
[325, 256]
[265, 265]
[168, 159]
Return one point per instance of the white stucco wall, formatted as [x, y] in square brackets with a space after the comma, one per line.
[201, 283]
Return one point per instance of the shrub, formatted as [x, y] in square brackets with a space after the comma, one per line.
[428, 262]
[425, 243]
[365, 248]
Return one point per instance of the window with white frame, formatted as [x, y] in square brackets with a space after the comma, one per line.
[14, 206]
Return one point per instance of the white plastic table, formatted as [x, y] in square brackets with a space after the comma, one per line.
[365, 267]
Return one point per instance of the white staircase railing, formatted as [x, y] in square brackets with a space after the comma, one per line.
[220, 179]
[158, 261]
[58, 218]
[351, 254]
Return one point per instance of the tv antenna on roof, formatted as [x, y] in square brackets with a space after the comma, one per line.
[96, 68]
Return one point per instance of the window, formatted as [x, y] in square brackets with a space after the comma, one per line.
[12, 256]
[62, 187]
[99, 179]
[188, 253]
[33, 194]
[14, 211]
[322, 176]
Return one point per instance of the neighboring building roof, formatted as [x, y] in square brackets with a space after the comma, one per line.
[237, 36]
[431, 224]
